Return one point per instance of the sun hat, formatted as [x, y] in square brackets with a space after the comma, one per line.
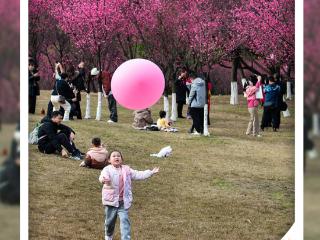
[94, 71]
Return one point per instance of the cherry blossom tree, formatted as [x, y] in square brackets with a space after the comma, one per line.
[9, 61]
[244, 35]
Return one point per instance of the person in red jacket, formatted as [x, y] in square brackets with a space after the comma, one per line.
[106, 89]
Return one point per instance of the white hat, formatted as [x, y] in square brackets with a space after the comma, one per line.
[94, 71]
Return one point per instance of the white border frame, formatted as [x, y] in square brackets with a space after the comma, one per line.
[297, 231]
[24, 166]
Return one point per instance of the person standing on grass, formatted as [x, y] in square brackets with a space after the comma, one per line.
[117, 193]
[106, 89]
[271, 105]
[76, 82]
[281, 103]
[251, 88]
[181, 91]
[197, 100]
[34, 89]
[53, 136]
[61, 89]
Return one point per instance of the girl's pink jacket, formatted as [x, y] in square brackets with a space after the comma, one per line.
[251, 95]
[110, 194]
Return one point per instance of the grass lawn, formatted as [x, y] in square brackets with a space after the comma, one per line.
[311, 199]
[227, 186]
[9, 215]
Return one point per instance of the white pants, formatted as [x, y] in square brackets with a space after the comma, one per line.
[56, 106]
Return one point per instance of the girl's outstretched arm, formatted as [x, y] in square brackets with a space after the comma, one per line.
[140, 175]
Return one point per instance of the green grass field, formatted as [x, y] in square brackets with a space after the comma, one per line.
[227, 186]
[9, 215]
[311, 199]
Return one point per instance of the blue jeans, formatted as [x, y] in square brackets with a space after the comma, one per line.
[111, 218]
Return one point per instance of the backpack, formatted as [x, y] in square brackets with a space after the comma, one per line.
[33, 136]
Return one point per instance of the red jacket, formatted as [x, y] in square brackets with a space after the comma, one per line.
[106, 82]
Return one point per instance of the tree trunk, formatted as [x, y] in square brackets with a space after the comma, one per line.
[174, 112]
[99, 106]
[242, 71]
[205, 121]
[289, 92]
[166, 106]
[234, 85]
[88, 115]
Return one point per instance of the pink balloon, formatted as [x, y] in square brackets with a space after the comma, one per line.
[137, 84]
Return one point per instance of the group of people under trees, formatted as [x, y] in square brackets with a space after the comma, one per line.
[272, 90]
[190, 88]
[67, 87]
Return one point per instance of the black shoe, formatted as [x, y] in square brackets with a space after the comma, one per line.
[76, 156]
[80, 153]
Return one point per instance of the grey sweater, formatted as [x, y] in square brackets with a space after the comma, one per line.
[197, 96]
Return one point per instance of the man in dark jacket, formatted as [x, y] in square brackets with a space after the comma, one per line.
[53, 135]
[181, 91]
[34, 90]
[271, 105]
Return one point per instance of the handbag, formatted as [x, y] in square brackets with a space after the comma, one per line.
[259, 94]
[283, 106]
[286, 113]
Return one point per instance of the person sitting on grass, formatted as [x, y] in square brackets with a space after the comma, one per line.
[163, 124]
[97, 155]
[53, 136]
[142, 118]
[10, 173]
[117, 194]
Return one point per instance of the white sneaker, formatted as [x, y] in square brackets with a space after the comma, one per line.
[195, 133]
[110, 121]
[108, 238]
[259, 135]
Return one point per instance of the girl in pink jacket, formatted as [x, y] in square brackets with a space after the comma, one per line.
[117, 193]
[253, 103]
